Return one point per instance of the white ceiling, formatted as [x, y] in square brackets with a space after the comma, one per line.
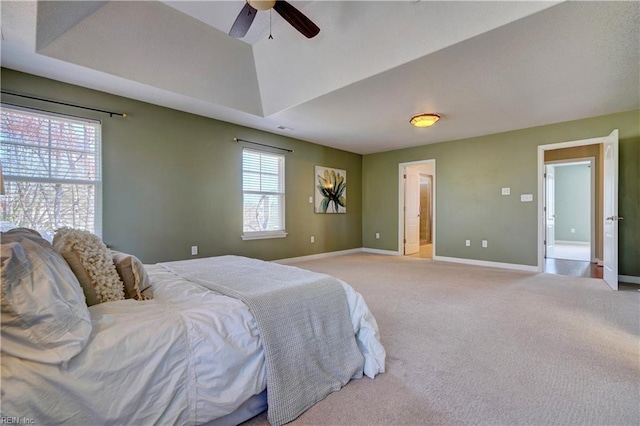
[486, 67]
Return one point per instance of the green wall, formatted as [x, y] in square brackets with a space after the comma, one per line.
[469, 176]
[573, 203]
[172, 180]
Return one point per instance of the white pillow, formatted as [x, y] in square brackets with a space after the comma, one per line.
[44, 314]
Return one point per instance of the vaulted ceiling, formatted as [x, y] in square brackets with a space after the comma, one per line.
[486, 67]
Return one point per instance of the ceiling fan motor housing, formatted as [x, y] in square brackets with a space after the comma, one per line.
[261, 4]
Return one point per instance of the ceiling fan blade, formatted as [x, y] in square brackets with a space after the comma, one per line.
[243, 21]
[296, 19]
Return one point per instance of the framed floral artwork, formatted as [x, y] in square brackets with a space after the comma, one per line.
[331, 190]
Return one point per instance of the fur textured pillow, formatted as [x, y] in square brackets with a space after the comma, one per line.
[90, 260]
[136, 280]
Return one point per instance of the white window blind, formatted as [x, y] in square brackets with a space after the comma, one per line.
[263, 194]
[51, 168]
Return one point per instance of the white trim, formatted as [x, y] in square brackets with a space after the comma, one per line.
[629, 279]
[263, 235]
[541, 164]
[573, 243]
[514, 266]
[401, 171]
[318, 256]
[384, 252]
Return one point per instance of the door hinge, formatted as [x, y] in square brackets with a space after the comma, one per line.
[405, 176]
[405, 241]
[545, 242]
[545, 175]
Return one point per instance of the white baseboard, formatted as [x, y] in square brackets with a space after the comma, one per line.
[629, 279]
[573, 243]
[488, 263]
[317, 256]
[514, 266]
[378, 251]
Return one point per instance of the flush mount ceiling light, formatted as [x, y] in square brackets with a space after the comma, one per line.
[424, 120]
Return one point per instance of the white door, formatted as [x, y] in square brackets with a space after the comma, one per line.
[611, 210]
[411, 211]
[550, 191]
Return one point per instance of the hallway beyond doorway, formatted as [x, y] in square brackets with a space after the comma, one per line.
[426, 252]
[570, 251]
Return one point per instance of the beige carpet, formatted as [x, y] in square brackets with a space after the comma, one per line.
[474, 345]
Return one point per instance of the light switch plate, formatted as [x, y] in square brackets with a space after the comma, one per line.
[525, 198]
[506, 191]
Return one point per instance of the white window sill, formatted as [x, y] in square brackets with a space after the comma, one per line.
[263, 235]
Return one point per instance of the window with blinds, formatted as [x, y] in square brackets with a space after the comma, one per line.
[51, 169]
[262, 194]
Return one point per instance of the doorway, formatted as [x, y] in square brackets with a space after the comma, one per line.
[604, 236]
[570, 209]
[417, 209]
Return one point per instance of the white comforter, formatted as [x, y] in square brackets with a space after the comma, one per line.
[186, 357]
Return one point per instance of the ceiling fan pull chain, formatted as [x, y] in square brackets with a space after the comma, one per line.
[270, 36]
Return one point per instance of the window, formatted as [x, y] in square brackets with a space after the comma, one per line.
[262, 194]
[51, 169]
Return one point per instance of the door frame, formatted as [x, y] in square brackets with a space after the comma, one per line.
[401, 167]
[592, 190]
[541, 163]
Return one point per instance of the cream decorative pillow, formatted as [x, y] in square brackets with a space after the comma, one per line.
[44, 314]
[91, 262]
[136, 280]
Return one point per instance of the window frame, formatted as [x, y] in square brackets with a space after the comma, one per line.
[97, 183]
[260, 235]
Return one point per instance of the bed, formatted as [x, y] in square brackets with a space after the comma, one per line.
[191, 355]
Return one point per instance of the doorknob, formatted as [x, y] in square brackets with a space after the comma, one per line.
[615, 218]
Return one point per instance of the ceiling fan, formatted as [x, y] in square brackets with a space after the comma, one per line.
[290, 14]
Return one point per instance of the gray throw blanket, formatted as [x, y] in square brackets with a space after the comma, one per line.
[304, 323]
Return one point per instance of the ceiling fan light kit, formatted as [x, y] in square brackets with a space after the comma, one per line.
[424, 120]
[289, 13]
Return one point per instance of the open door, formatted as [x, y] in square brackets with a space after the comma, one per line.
[550, 211]
[611, 218]
[411, 211]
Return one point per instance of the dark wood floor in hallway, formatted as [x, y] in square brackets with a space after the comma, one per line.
[575, 268]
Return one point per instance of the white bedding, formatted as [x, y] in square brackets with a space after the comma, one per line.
[186, 357]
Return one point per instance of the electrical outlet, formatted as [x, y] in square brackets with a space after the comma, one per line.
[506, 191]
[573, 230]
[310, 200]
[377, 235]
[194, 250]
[485, 244]
[467, 243]
[313, 239]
